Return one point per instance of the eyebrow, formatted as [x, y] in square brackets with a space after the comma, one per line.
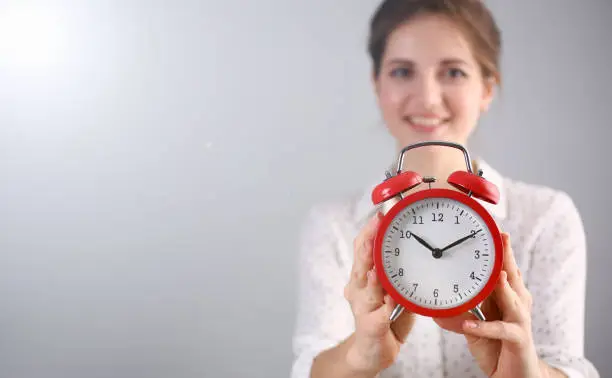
[451, 61]
[447, 61]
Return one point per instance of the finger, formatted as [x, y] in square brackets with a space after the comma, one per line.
[521, 290]
[383, 313]
[525, 295]
[515, 277]
[497, 330]
[490, 308]
[508, 301]
[362, 259]
[362, 264]
[510, 265]
[367, 231]
[376, 324]
[455, 323]
[370, 297]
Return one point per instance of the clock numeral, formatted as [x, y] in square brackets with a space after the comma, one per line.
[397, 251]
[472, 276]
[476, 254]
[415, 285]
[406, 235]
[420, 220]
[456, 219]
[456, 288]
[440, 217]
[436, 293]
[473, 232]
[401, 272]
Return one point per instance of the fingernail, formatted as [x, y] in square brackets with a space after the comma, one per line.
[388, 299]
[503, 276]
[471, 324]
[370, 275]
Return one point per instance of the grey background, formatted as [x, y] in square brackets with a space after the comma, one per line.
[157, 160]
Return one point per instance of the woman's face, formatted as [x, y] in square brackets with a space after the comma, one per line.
[430, 86]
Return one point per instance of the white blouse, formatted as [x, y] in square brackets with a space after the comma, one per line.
[549, 244]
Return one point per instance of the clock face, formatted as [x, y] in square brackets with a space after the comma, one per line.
[438, 253]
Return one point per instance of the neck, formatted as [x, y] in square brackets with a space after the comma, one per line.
[435, 161]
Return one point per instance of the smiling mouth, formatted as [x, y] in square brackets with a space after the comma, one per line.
[426, 124]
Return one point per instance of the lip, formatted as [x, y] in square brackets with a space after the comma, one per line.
[426, 115]
[427, 129]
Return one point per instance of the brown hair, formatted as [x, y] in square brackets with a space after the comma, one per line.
[471, 16]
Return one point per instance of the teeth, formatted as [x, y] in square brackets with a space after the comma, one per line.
[425, 121]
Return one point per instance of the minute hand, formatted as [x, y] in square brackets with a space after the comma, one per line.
[451, 245]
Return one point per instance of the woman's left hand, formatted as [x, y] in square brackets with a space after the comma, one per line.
[503, 344]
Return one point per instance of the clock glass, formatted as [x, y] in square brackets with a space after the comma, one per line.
[438, 253]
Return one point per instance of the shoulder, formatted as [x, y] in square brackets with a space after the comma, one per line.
[540, 215]
[536, 201]
[335, 212]
[535, 215]
[329, 227]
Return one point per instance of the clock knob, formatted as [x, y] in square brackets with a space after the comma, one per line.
[429, 180]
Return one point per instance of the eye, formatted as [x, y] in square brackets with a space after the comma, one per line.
[402, 72]
[455, 73]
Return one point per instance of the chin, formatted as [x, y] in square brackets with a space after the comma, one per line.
[412, 139]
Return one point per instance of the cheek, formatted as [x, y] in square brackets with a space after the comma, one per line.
[391, 96]
[464, 103]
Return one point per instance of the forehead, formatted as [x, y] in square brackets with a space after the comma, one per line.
[428, 39]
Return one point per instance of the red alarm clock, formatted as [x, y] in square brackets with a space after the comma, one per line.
[438, 252]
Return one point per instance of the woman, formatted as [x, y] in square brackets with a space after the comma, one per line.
[435, 68]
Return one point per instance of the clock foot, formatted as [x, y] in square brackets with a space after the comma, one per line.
[478, 313]
[397, 311]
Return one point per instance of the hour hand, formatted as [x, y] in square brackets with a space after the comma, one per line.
[451, 245]
[423, 242]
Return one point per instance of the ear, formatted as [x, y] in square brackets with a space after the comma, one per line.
[488, 93]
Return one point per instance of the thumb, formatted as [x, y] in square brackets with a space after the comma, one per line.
[378, 323]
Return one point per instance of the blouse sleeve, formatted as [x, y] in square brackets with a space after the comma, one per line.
[324, 317]
[557, 280]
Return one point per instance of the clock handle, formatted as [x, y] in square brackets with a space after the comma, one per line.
[477, 312]
[466, 154]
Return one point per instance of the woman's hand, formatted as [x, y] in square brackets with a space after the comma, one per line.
[376, 341]
[503, 344]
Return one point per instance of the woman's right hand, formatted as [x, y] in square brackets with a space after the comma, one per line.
[376, 341]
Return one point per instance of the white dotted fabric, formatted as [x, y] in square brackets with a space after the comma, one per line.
[549, 245]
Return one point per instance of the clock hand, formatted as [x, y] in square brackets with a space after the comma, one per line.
[471, 235]
[420, 240]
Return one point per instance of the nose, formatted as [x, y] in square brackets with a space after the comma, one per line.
[429, 92]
